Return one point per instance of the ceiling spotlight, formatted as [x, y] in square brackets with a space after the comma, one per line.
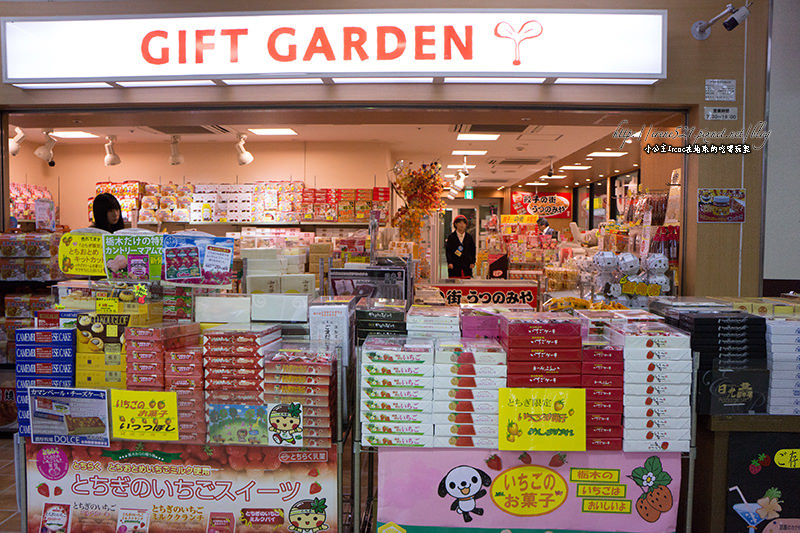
[243, 156]
[701, 29]
[45, 151]
[175, 157]
[111, 159]
[13, 144]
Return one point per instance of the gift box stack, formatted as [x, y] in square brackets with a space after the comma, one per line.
[233, 356]
[732, 350]
[396, 396]
[129, 194]
[305, 373]
[381, 196]
[23, 199]
[544, 349]
[380, 317]
[438, 321]
[44, 358]
[29, 257]
[602, 376]
[658, 377]
[468, 374]
[783, 360]
[479, 322]
[20, 310]
[331, 321]
[101, 358]
[178, 303]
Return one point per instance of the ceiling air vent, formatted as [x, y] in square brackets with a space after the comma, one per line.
[192, 130]
[520, 161]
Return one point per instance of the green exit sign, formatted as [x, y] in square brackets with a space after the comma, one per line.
[469, 194]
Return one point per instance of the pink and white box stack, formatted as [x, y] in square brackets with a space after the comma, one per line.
[658, 378]
[783, 361]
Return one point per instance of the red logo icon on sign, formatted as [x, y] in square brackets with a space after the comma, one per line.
[529, 30]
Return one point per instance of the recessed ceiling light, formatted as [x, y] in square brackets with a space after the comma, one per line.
[575, 167]
[74, 135]
[478, 136]
[275, 81]
[456, 167]
[449, 175]
[501, 188]
[589, 159]
[272, 131]
[587, 179]
[76, 85]
[382, 80]
[553, 177]
[616, 170]
[519, 185]
[469, 152]
[601, 175]
[494, 80]
[603, 81]
[576, 183]
[608, 154]
[636, 164]
[628, 141]
[165, 83]
[566, 186]
[537, 183]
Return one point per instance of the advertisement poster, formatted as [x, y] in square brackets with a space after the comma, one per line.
[549, 205]
[136, 257]
[198, 260]
[45, 215]
[266, 425]
[172, 488]
[763, 483]
[69, 416]
[721, 205]
[444, 490]
[546, 419]
[144, 415]
[456, 295]
[81, 254]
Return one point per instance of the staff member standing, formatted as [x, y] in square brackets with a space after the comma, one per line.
[460, 250]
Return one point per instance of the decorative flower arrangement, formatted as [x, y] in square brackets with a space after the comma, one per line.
[422, 190]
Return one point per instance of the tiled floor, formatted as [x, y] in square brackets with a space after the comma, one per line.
[9, 514]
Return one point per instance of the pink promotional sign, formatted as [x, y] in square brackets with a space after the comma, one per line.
[443, 490]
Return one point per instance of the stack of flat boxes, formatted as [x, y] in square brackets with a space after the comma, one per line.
[101, 359]
[396, 399]
[602, 377]
[178, 303]
[479, 323]
[783, 359]
[331, 321]
[468, 374]
[167, 357]
[544, 349]
[380, 317]
[307, 367]
[432, 321]
[44, 358]
[658, 379]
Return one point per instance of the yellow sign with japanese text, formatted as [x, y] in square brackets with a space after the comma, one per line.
[529, 490]
[518, 219]
[81, 254]
[787, 458]
[144, 415]
[542, 419]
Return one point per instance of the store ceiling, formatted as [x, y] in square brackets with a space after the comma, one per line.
[529, 139]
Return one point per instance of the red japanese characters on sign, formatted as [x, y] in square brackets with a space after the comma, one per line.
[549, 205]
[488, 295]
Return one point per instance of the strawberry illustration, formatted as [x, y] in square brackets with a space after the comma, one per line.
[764, 460]
[57, 491]
[313, 472]
[315, 488]
[43, 489]
[558, 460]
[525, 458]
[755, 468]
[494, 462]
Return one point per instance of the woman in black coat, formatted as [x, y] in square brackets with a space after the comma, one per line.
[460, 250]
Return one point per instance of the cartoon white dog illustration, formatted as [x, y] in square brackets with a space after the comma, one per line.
[465, 484]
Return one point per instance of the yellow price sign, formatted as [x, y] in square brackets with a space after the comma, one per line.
[542, 419]
[107, 305]
[81, 255]
[529, 490]
[144, 415]
[518, 219]
[788, 458]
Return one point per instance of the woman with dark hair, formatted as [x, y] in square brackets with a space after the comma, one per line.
[107, 213]
[460, 250]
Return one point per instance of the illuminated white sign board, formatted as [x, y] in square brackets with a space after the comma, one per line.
[602, 44]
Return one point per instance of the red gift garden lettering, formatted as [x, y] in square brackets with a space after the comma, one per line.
[157, 44]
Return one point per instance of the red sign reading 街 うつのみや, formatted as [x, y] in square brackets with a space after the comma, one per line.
[549, 205]
[488, 295]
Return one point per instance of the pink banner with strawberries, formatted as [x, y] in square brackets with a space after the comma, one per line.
[174, 488]
[441, 490]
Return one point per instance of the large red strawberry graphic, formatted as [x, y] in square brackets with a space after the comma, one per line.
[764, 460]
[494, 462]
[755, 468]
[525, 458]
[558, 460]
[313, 472]
[57, 491]
[43, 489]
[315, 488]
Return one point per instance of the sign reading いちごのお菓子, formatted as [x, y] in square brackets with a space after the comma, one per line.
[523, 43]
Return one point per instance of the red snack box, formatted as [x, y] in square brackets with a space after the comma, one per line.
[170, 343]
[608, 354]
[151, 381]
[610, 406]
[539, 324]
[604, 432]
[602, 381]
[297, 379]
[482, 395]
[192, 438]
[184, 355]
[543, 354]
[304, 390]
[194, 370]
[218, 361]
[603, 444]
[603, 419]
[231, 335]
[188, 394]
[190, 414]
[145, 356]
[322, 368]
[317, 432]
[540, 342]
[544, 380]
[515, 367]
[237, 397]
[192, 426]
[180, 382]
[162, 331]
[316, 421]
[243, 350]
[141, 367]
[614, 369]
[317, 443]
[234, 384]
[249, 374]
[191, 403]
[593, 394]
[307, 401]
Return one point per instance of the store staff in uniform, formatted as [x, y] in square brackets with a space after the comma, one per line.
[107, 213]
[545, 229]
[460, 250]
